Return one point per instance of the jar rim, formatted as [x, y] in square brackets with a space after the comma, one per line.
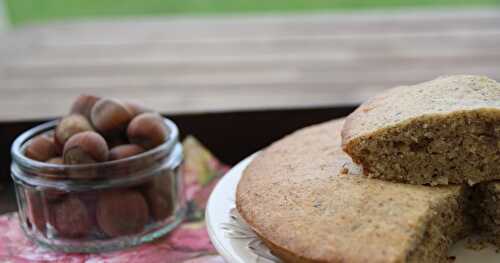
[24, 163]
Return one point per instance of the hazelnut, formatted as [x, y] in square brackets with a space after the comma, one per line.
[121, 212]
[52, 137]
[56, 160]
[89, 198]
[124, 151]
[70, 218]
[53, 194]
[110, 116]
[147, 130]
[159, 195]
[135, 109]
[85, 147]
[69, 126]
[160, 203]
[35, 209]
[41, 148]
[83, 105]
[56, 172]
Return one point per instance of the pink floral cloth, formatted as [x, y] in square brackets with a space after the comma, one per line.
[188, 243]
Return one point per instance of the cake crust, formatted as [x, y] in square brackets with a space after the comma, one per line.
[309, 203]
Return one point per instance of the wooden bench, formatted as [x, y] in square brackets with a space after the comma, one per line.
[206, 64]
[227, 80]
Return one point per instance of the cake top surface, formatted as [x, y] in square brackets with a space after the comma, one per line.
[304, 195]
[440, 96]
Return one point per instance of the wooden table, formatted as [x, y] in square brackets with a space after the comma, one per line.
[207, 64]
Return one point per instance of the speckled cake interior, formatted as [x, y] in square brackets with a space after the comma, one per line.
[463, 147]
[445, 131]
[487, 210]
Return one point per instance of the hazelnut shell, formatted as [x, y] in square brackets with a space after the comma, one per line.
[124, 151]
[41, 148]
[110, 116]
[56, 160]
[159, 195]
[52, 194]
[35, 209]
[70, 218]
[135, 108]
[147, 130]
[121, 212]
[52, 136]
[83, 105]
[160, 204]
[69, 126]
[85, 147]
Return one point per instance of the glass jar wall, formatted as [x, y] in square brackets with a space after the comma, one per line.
[102, 206]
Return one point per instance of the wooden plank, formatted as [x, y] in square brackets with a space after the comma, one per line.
[361, 44]
[261, 71]
[259, 26]
[191, 68]
[213, 30]
[218, 64]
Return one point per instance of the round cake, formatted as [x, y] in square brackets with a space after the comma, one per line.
[309, 203]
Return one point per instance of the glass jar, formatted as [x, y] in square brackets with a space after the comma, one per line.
[102, 206]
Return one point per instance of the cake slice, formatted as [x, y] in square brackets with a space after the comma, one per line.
[486, 196]
[309, 202]
[445, 131]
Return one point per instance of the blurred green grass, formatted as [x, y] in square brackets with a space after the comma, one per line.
[23, 11]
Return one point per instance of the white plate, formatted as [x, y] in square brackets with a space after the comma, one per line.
[237, 243]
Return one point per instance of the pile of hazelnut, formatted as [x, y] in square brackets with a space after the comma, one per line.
[99, 130]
